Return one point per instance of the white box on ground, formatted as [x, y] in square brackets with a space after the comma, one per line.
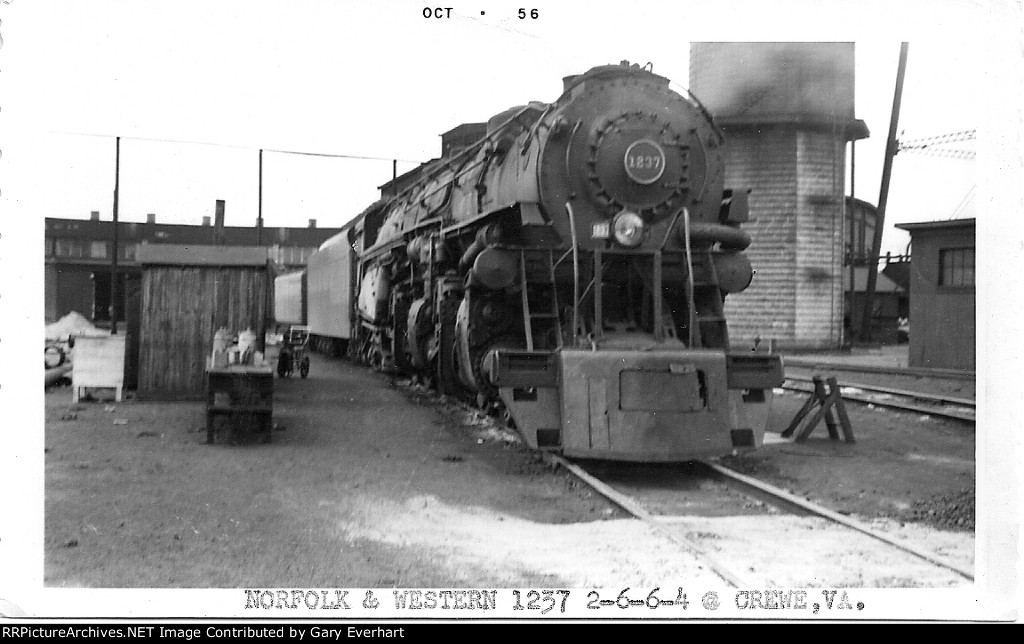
[98, 363]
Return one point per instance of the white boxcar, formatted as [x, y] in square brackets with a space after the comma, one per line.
[290, 298]
[329, 288]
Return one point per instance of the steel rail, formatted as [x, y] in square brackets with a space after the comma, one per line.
[634, 508]
[792, 500]
[924, 409]
[752, 487]
[955, 374]
[935, 398]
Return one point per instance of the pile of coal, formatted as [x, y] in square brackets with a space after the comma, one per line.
[953, 511]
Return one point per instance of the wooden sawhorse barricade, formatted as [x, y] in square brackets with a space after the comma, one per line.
[826, 401]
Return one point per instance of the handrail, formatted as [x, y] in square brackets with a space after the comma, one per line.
[575, 273]
[690, 304]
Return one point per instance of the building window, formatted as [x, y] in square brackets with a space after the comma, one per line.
[956, 267]
[70, 248]
[98, 250]
[127, 251]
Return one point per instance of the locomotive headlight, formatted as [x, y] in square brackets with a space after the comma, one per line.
[628, 229]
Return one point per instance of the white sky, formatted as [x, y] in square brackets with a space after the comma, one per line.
[376, 79]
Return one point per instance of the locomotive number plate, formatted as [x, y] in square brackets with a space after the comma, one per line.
[602, 230]
[644, 161]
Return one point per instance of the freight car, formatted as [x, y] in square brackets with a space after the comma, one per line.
[569, 265]
[290, 298]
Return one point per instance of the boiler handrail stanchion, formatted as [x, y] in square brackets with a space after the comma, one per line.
[575, 273]
[690, 304]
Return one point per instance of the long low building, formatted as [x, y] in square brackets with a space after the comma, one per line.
[78, 256]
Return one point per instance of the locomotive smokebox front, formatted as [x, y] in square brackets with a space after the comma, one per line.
[630, 153]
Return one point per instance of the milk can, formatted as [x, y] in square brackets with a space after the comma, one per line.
[246, 342]
[221, 340]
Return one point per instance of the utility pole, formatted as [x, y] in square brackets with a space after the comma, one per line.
[853, 232]
[113, 259]
[259, 216]
[218, 223]
[883, 196]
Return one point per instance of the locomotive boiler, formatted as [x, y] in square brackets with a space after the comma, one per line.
[570, 266]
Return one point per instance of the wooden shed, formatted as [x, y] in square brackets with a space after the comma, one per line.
[188, 293]
[942, 294]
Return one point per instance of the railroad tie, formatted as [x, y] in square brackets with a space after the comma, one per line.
[825, 401]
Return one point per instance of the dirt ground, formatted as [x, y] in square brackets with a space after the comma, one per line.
[906, 466]
[368, 483]
[135, 498]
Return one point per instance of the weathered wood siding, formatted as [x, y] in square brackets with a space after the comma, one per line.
[943, 326]
[182, 308]
[132, 311]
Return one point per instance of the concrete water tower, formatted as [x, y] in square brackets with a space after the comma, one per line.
[787, 110]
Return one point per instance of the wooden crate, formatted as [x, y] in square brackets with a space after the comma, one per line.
[98, 363]
[243, 393]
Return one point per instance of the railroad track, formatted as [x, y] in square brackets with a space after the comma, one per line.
[643, 507]
[963, 409]
[718, 492]
[948, 374]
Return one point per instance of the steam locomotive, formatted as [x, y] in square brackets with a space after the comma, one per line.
[570, 267]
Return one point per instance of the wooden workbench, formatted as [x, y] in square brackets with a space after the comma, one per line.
[243, 393]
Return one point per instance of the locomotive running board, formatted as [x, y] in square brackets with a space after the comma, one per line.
[527, 382]
[754, 371]
[522, 369]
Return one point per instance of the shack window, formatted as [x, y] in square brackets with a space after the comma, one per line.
[956, 267]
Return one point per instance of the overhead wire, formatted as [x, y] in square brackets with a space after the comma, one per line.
[936, 145]
[333, 155]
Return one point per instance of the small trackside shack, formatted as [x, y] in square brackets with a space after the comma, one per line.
[943, 308]
[188, 293]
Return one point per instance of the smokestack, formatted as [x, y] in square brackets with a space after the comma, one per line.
[312, 223]
[206, 220]
[218, 224]
[94, 215]
[151, 218]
